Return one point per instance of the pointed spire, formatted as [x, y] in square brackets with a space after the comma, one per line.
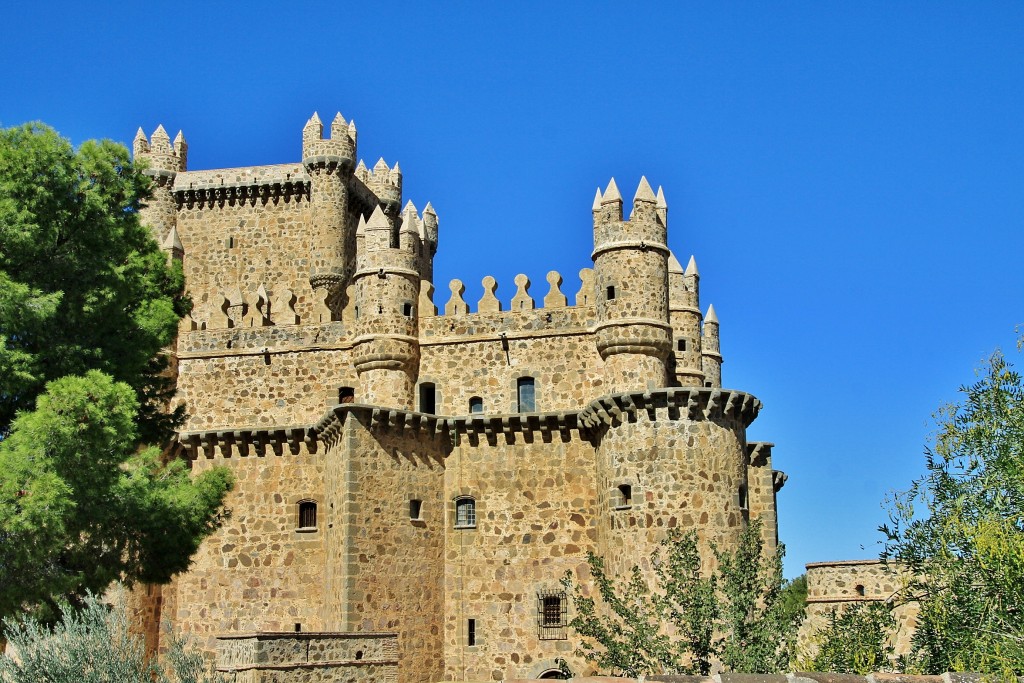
[339, 128]
[314, 128]
[140, 145]
[352, 129]
[429, 208]
[395, 175]
[161, 133]
[410, 220]
[314, 120]
[644, 193]
[361, 167]
[361, 226]
[381, 167]
[674, 266]
[691, 267]
[410, 207]
[711, 317]
[179, 139]
[662, 204]
[611, 193]
[378, 220]
[597, 200]
[171, 242]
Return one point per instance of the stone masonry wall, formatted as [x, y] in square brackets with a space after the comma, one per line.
[308, 658]
[258, 572]
[835, 585]
[536, 517]
[388, 566]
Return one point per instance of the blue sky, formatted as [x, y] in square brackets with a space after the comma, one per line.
[848, 175]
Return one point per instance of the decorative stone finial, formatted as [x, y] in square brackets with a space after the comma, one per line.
[691, 267]
[611, 193]
[674, 266]
[597, 200]
[378, 221]
[711, 317]
[644, 193]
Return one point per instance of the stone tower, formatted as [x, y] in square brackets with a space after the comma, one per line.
[329, 163]
[631, 274]
[163, 160]
[387, 286]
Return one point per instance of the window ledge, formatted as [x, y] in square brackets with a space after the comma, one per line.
[465, 526]
[306, 530]
[418, 522]
[623, 507]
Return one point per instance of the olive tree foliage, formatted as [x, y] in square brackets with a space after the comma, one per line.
[688, 619]
[87, 302]
[856, 639]
[93, 644]
[959, 529]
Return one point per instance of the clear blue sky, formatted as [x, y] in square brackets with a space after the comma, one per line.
[848, 175]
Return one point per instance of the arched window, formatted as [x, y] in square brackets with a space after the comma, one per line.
[307, 514]
[476, 405]
[428, 398]
[526, 395]
[860, 590]
[465, 513]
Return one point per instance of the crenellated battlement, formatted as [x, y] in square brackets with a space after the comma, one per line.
[164, 159]
[320, 153]
[384, 181]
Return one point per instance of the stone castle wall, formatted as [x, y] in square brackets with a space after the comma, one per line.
[307, 366]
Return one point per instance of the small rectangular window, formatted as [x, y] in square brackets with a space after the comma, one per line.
[307, 515]
[623, 496]
[415, 509]
[551, 614]
[610, 293]
[526, 395]
[471, 632]
[476, 405]
[465, 513]
[681, 345]
[428, 398]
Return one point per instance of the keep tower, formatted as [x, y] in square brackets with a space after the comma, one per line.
[631, 277]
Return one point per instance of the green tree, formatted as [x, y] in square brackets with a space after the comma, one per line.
[959, 529]
[855, 640]
[83, 285]
[794, 598]
[94, 643]
[81, 507]
[87, 302]
[686, 621]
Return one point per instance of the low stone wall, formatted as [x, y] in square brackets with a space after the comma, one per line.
[309, 657]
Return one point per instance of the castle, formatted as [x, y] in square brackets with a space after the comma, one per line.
[412, 484]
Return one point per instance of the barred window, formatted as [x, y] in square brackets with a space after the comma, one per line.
[465, 513]
[307, 514]
[552, 607]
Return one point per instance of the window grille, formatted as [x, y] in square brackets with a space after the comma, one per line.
[465, 513]
[307, 515]
[552, 609]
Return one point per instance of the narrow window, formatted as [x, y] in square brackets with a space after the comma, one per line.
[346, 395]
[470, 632]
[610, 293]
[526, 395]
[743, 497]
[465, 513]
[681, 345]
[298, 627]
[307, 514]
[624, 496]
[231, 243]
[476, 405]
[707, 384]
[415, 508]
[428, 398]
[551, 614]
[860, 590]
[407, 309]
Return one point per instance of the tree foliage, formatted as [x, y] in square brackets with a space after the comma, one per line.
[87, 302]
[80, 507]
[94, 645]
[687, 620]
[856, 639]
[959, 529]
[83, 286]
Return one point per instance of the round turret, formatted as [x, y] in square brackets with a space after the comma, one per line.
[329, 163]
[386, 287]
[163, 160]
[631, 278]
